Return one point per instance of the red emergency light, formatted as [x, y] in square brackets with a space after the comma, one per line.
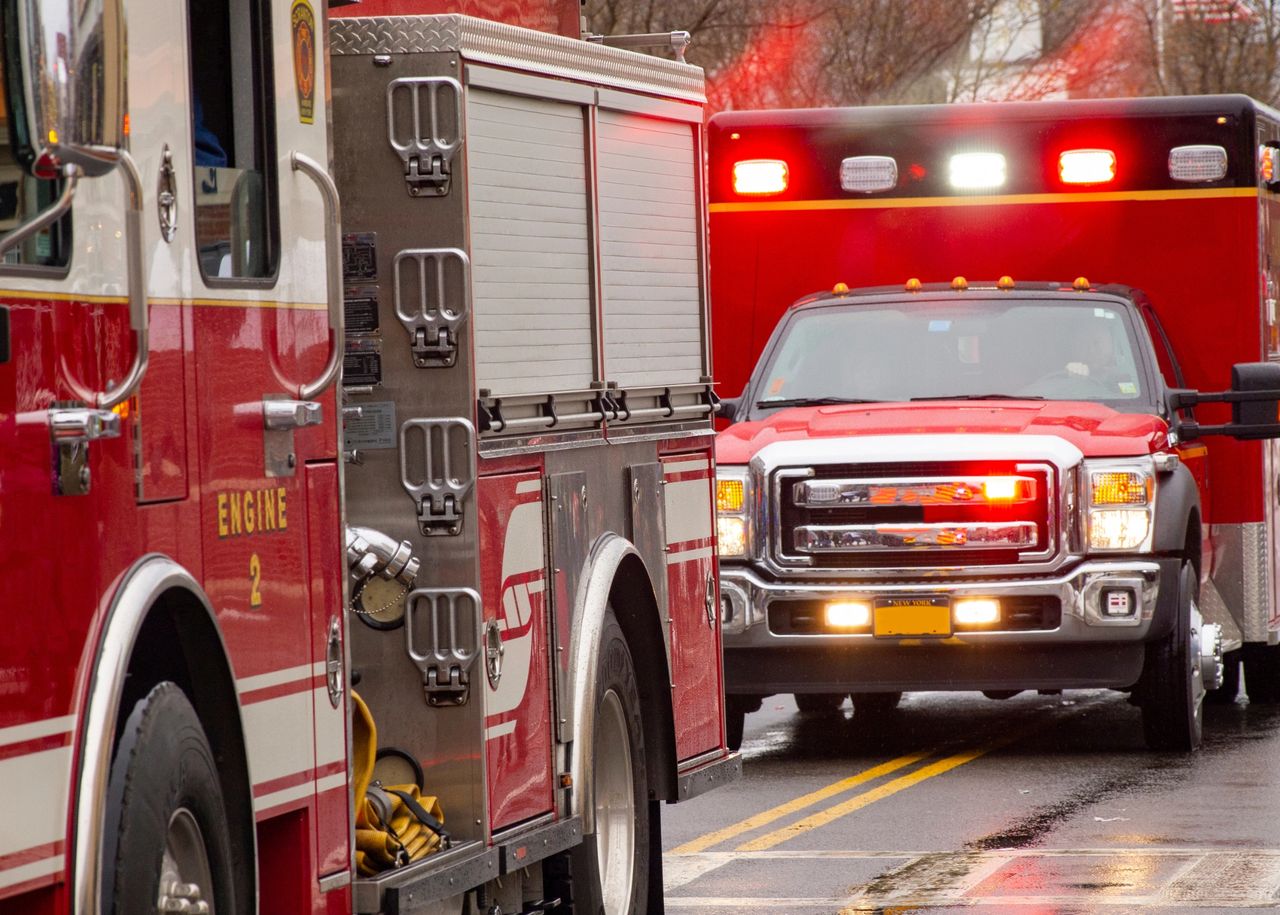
[760, 176]
[1087, 166]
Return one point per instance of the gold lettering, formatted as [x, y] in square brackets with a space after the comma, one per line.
[284, 521]
[269, 510]
[223, 530]
[250, 518]
[236, 525]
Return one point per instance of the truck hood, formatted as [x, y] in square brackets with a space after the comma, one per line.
[1097, 430]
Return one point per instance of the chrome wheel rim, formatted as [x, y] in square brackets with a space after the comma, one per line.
[615, 806]
[1195, 630]
[185, 876]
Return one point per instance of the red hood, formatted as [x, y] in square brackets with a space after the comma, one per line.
[1098, 431]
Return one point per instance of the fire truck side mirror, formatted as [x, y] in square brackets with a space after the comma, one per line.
[67, 73]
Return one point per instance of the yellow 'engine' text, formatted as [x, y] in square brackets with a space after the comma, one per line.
[252, 511]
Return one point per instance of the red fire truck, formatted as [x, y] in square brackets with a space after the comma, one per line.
[998, 483]
[450, 447]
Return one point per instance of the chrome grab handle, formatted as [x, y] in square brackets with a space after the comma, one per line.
[333, 271]
[290, 414]
[76, 426]
[139, 314]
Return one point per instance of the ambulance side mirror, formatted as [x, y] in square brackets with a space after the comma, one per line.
[65, 78]
[1254, 399]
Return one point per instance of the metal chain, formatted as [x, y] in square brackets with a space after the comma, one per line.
[355, 599]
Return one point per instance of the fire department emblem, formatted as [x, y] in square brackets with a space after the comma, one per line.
[303, 21]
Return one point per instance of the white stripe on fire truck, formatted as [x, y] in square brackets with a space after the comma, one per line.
[279, 736]
[688, 504]
[33, 730]
[33, 871]
[689, 556]
[299, 792]
[529, 486]
[500, 730]
[33, 796]
[279, 677]
[685, 467]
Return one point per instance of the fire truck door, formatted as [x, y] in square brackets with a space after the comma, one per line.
[266, 454]
[518, 720]
[693, 600]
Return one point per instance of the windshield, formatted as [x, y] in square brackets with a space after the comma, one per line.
[969, 348]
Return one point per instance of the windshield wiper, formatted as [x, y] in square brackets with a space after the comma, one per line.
[811, 402]
[982, 397]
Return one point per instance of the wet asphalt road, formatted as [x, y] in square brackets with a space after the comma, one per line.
[955, 802]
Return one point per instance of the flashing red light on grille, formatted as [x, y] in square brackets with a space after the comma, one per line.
[1000, 489]
[760, 176]
[1087, 166]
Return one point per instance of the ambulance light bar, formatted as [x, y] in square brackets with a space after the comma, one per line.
[977, 170]
[868, 174]
[760, 176]
[1197, 163]
[1087, 166]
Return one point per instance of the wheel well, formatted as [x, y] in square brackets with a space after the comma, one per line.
[632, 599]
[179, 642]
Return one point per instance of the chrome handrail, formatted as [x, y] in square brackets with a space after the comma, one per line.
[333, 272]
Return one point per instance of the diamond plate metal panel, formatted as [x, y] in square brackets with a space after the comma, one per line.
[482, 41]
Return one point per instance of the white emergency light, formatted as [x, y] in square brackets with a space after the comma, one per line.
[868, 174]
[1087, 166]
[1197, 163]
[977, 170]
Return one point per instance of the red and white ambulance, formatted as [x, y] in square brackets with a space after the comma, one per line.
[983, 471]
[438, 430]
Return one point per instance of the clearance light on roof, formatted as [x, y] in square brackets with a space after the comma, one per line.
[975, 171]
[1197, 163]
[760, 176]
[1087, 166]
[868, 174]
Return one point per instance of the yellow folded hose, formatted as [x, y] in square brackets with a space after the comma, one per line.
[395, 824]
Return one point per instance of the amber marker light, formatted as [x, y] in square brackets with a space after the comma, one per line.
[1087, 166]
[760, 176]
[840, 289]
[1081, 284]
[729, 495]
[960, 284]
[913, 285]
[1005, 282]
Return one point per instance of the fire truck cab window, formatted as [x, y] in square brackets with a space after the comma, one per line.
[233, 139]
[22, 196]
[916, 351]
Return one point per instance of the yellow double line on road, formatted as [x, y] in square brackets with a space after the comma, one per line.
[857, 802]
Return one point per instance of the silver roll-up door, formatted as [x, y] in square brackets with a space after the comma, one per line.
[531, 277]
[649, 250]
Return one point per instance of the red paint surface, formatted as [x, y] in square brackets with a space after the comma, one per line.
[695, 643]
[1197, 260]
[519, 764]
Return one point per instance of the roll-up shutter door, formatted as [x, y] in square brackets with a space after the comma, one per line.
[531, 278]
[649, 250]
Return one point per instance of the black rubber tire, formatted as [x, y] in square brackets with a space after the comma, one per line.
[819, 703]
[1229, 691]
[163, 763]
[735, 722]
[874, 705]
[576, 881]
[1262, 673]
[1171, 719]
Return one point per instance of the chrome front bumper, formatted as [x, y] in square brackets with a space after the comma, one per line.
[746, 596]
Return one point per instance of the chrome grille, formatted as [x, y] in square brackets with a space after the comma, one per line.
[922, 515]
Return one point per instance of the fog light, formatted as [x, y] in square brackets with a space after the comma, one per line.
[848, 614]
[1118, 602]
[977, 612]
[732, 537]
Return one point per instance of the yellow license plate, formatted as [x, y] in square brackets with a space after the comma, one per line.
[902, 617]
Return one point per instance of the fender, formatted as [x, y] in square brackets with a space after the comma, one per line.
[1177, 500]
[606, 555]
[140, 587]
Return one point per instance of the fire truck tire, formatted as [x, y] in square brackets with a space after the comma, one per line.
[1229, 691]
[819, 703]
[736, 708]
[874, 705]
[1262, 673]
[166, 823]
[608, 874]
[1171, 690]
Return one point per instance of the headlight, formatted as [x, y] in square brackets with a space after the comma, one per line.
[733, 512]
[1121, 502]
